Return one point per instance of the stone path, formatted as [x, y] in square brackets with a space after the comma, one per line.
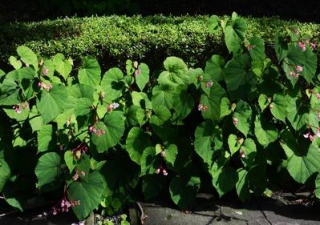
[204, 212]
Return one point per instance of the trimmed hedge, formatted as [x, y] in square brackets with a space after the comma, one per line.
[114, 39]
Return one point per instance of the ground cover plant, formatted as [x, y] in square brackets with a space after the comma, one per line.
[83, 139]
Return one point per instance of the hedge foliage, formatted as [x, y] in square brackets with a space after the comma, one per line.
[114, 39]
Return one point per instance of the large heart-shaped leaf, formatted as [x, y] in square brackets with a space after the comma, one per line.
[108, 133]
[278, 106]
[48, 169]
[265, 132]
[45, 138]
[88, 192]
[183, 190]
[149, 163]
[27, 56]
[242, 117]
[297, 57]
[162, 95]
[211, 101]
[302, 167]
[136, 142]
[90, 72]
[256, 49]
[142, 75]
[234, 35]
[239, 78]
[208, 138]
[53, 102]
[242, 185]
[224, 178]
[112, 84]
[214, 67]
[62, 65]
[176, 72]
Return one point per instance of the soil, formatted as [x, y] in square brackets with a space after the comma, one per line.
[304, 11]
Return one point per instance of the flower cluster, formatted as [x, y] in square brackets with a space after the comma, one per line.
[312, 137]
[202, 107]
[112, 106]
[64, 206]
[19, 107]
[44, 86]
[75, 177]
[96, 131]
[235, 121]
[209, 84]
[303, 45]
[295, 73]
[162, 170]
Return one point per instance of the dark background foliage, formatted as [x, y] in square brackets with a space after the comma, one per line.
[31, 10]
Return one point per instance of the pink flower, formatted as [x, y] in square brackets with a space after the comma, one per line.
[318, 132]
[299, 69]
[294, 74]
[17, 109]
[83, 173]
[209, 84]
[313, 46]
[302, 46]
[112, 106]
[235, 121]
[137, 72]
[202, 107]
[242, 153]
[45, 71]
[75, 176]
[309, 135]
[45, 86]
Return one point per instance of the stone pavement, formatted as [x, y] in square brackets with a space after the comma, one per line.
[203, 212]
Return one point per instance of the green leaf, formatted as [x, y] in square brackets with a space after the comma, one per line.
[224, 178]
[161, 115]
[265, 131]
[142, 76]
[141, 99]
[48, 169]
[170, 155]
[213, 23]
[302, 167]
[84, 107]
[234, 143]
[176, 72]
[248, 152]
[278, 107]
[135, 115]
[242, 186]
[121, 175]
[240, 80]
[243, 115]
[208, 138]
[136, 142]
[214, 67]
[112, 84]
[317, 184]
[151, 186]
[70, 161]
[212, 100]
[183, 190]
[256, 49]
[182, 103]
[296, 57]
[90, 72]
[263, 102]
[62, 65]
[46, 138]
[5, 171]
[88, 193]
[234, 35]
[27, 56]
[52, 103]
[281, 47]
[148, 161]
[162, 95]
[15, 62]
[297, 113]
[225, 107]
[109, 132]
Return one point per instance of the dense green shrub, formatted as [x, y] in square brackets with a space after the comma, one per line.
[114, 39]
